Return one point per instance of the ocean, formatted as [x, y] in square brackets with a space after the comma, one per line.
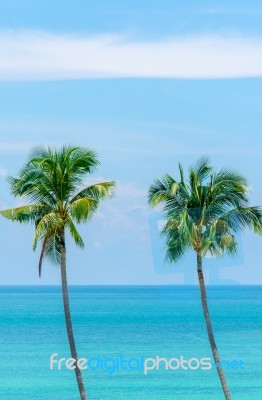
[117, 328]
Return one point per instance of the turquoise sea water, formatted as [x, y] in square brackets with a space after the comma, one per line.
[129, 322]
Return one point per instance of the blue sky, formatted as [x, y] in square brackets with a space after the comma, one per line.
[146, 85]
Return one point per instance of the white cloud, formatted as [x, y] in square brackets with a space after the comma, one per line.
[246, 11]
[10, 147]
[44, 56]
[3, 172]
[127, 210]
[130, 190]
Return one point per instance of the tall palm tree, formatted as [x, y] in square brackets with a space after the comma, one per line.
[53, 183]
[204, 213]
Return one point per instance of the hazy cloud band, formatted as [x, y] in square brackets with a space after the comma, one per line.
[44, 56]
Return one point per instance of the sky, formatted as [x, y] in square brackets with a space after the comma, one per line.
[146, 85]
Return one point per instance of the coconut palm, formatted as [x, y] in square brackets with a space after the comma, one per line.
[204, 213]
[53, 183]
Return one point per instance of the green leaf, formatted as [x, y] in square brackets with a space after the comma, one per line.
[75, 234]
[25, 214]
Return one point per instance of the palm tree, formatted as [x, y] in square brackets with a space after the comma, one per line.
[52, 181]
[204, 213]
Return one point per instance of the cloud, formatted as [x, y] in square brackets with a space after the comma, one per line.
[127, 189]
[132, 221]
[127, 210]
[10, 147]
[44, 56]
[246, 11]
[130, 190]
[3, 172]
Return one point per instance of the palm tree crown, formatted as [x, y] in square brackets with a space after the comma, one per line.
[52, 182]
[206, 211]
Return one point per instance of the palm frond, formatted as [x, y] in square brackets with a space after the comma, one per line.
[176, 240]
[83, 209]
[52, 248]
[202, 169]
[47, 226]
[42, 254]
[99, 191]
[165, 191]
[75, 234]
[245, 217]
[25, 214]
[81, 160]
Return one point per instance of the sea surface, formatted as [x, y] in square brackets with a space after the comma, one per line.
[129, 322]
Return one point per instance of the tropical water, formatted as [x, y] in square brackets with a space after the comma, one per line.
[129, 323]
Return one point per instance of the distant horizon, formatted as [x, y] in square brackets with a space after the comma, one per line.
[129, 285]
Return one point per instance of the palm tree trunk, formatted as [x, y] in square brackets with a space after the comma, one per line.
[210, 329]
[69, 326]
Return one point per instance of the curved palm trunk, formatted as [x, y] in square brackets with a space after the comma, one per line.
[69, 326]
[210, 329]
